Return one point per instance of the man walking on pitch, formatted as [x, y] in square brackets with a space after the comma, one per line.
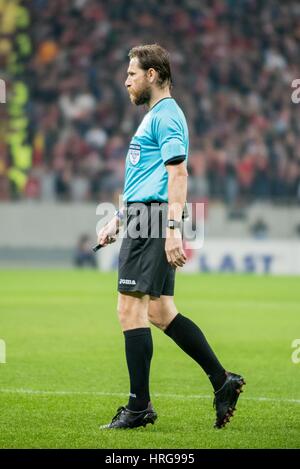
[154, 197]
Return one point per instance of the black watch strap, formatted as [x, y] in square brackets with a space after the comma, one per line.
[173, 224]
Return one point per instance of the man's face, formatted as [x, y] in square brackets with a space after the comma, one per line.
[137, 83]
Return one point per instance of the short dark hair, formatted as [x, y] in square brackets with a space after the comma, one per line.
[154, 56]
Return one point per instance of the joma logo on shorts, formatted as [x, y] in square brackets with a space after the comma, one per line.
[125, 281]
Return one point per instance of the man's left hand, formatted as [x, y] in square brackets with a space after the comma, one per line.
[174, 248]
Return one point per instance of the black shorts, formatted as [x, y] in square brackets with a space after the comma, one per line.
[143, 265]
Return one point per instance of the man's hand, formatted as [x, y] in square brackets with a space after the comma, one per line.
[174, 249]
[108, 234]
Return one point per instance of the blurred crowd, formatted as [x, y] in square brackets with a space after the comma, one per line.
[233, 62]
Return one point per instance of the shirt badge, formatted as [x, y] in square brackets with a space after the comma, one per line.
[134, 153]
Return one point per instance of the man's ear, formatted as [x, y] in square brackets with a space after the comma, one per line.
[151, 75]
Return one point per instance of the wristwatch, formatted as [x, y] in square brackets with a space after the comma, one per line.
[173, 224]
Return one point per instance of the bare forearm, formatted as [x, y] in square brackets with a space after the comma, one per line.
[177, 192]
[177, 189]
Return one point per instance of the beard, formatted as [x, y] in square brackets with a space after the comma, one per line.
[142, 97]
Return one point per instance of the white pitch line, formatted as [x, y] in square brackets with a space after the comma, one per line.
[120, 394]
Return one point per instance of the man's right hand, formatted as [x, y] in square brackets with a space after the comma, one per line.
[108, 234]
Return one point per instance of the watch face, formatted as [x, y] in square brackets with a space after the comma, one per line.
[173, 224]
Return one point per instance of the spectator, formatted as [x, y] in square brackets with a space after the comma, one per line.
[84, 257]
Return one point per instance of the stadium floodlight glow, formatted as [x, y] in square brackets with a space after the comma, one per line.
[2, 91]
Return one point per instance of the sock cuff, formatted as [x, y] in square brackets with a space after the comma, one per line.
[137, 332]
[173, 323]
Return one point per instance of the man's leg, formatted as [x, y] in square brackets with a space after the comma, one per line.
[133, 317]
[227, 386]
[187, 335]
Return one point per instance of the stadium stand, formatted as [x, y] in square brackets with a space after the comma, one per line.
[233, 63]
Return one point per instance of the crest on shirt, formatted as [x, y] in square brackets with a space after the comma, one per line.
[134, 153]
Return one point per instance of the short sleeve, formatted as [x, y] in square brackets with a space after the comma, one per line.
[170, 138]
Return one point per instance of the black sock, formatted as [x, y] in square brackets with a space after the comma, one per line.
[139, 350]
[192, 341]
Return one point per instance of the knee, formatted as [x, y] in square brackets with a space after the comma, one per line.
[156, 320]
[123, 314]
[161, 312]
[132, 312]
[161, 318]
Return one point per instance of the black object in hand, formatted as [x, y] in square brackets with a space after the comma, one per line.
[97, 247]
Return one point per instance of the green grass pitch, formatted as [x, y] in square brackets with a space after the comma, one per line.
[65, 370]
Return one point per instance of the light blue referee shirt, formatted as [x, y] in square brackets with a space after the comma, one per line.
[162, 137]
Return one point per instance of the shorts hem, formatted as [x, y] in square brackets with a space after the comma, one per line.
[146, 291]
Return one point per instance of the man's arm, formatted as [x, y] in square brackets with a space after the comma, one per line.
[177, 193]
[177, 190]
[108, 233]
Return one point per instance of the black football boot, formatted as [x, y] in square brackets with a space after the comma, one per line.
[126, 418]
[226, 398]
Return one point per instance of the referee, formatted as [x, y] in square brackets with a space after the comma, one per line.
[154, 197]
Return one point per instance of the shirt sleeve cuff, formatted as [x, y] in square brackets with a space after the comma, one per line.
[175, 159]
